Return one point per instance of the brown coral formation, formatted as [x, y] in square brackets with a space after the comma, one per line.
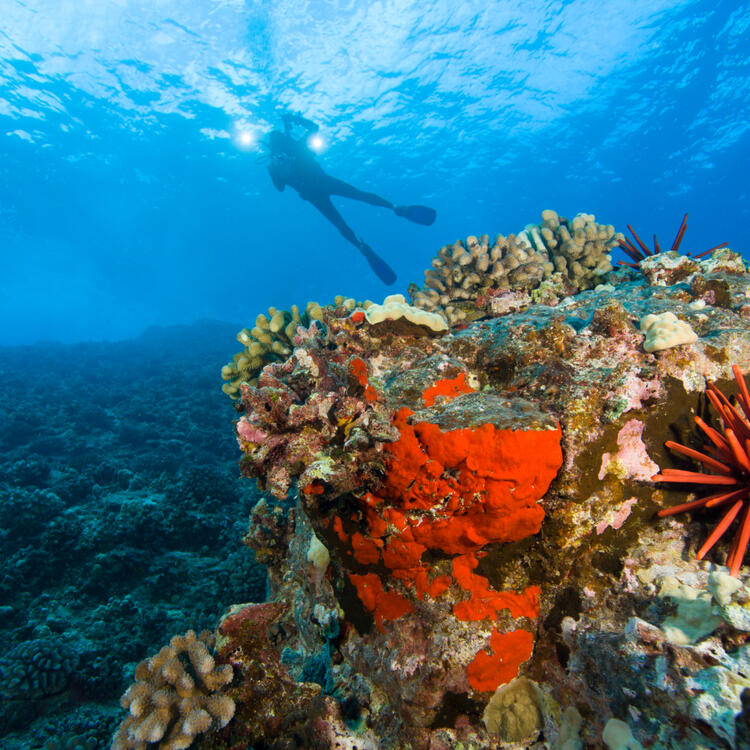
[579, 248]
[312, 418]
[177, 695]
[467, 276]
[272, 704]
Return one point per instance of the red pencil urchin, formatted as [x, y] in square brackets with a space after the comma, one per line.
[643, 251]
[729, 458]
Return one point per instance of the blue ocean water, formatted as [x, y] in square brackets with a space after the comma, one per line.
[132, 190]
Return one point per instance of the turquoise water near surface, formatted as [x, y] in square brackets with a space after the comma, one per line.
[131, 191]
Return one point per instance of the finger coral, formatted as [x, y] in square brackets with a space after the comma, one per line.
[272, 340]
[727, 458]
[578, 248]
[466, 276]
[177, 694]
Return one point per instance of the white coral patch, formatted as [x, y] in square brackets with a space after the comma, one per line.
[665, 331]
[395, 307]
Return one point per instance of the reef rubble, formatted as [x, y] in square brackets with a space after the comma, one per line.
[461, 526]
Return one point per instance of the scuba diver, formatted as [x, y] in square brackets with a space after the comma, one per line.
[292, 163]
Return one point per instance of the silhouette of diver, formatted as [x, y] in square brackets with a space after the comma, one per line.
[292, 163]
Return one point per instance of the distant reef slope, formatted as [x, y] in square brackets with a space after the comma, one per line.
[120, 521]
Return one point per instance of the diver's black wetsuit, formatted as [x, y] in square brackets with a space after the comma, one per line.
[293, 164]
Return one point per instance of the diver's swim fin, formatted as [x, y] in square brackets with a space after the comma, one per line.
[382, 270]
[418, 214]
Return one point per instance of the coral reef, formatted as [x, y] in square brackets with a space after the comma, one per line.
[90, 727]
[464, 547]
[177, 694]
[467, 537]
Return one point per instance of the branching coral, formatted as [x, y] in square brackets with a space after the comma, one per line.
[727, 457]
[578, 248]
[272, 340]
[177, 694]
[463, 274]
[466, 276]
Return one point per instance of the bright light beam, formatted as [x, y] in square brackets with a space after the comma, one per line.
[244, 139]
[316, 143]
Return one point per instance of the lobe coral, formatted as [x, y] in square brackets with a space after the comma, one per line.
[727, 457]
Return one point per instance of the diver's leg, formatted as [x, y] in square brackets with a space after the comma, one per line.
[418, 214]
[383, 271]
[345, 190]
[324, 205]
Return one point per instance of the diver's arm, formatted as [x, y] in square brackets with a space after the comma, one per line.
[309, 125]
[297, 119]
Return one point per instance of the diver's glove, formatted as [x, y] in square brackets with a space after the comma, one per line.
[382, 270]
[418, 214]
[295, 118]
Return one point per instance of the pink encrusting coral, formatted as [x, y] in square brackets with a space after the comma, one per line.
[618, 517]
[249, 433]
[304, 408]
[631, 459]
